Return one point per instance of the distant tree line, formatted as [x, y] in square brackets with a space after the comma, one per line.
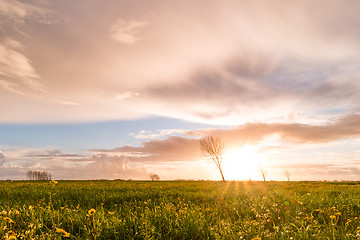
[39, 175]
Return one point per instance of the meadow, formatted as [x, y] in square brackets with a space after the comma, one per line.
[179, 210]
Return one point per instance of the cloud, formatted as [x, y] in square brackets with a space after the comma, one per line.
[127, 32]
[52, 154]
[2, 159]
[16, 67]
[14, 9]
[125, 95]
[182, 148]
[143, 134]
[102, 167]
[11, 87]
[71, 166]
[346, 127]
[146, 134]
[179, 152]
[314, 172]
[209, 62]
[172, 149]
[305, 166]
[17, 74]
[239, 92]
[201, 61]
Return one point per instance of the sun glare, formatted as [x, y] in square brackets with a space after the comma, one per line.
[241, 164]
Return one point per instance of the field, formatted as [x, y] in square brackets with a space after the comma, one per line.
[179, 210]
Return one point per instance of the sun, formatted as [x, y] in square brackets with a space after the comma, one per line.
[241, 163]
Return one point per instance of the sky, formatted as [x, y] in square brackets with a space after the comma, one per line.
[121, 89]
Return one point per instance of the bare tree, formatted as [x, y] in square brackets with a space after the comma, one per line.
[263, 173]
[154, 177]
[287, 174]
[212, 148]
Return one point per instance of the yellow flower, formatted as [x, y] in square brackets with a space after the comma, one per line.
[92, 211]
[257, 238]
[111, 213]
[62, 232]
[332, 217]
[53, 182]
[9, 220]
[11, 233]
[11, 238]
[338, 213]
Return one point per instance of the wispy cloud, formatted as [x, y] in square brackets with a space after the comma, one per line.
[126, 95]
[146, 134]
[17, 73]
[15, 66]
[11, 87]
[127, 32]
[14, 9]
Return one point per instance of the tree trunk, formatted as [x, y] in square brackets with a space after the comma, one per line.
[222, 175]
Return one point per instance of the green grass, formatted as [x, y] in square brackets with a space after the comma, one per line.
[179, 210]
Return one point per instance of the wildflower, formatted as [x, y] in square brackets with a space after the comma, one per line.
[53, 182]
[332, 217]
[111, 213]
[62, 232]
[9, 220]
[338, 213]
[11, 238]
[257, 238]
[92, 211]
[11, 233]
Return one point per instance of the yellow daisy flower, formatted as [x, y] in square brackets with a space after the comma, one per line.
[92, 211]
